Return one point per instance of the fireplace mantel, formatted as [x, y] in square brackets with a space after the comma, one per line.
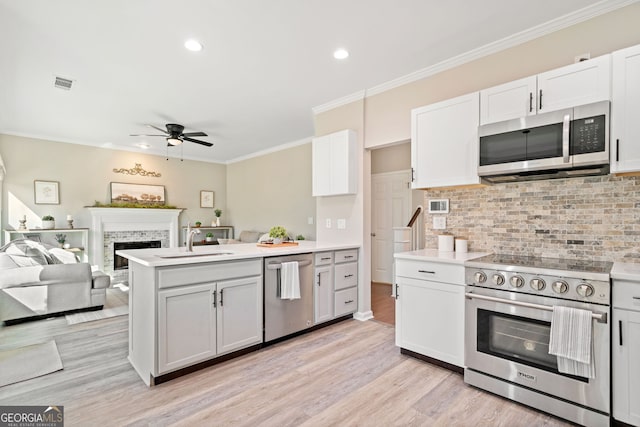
[129, 219]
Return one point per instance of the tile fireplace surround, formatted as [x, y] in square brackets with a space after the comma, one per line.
[129, 224]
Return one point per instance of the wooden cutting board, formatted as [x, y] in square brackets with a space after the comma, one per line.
[279, 245]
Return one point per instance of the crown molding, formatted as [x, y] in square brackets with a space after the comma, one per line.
[532, 33]
[271, 150]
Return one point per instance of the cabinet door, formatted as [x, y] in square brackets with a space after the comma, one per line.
[508, 101]
[576, 84]
[186, 326]
[430, 319]
[335, 164]
[626, 369]
[444, 143]
[625, 110]
[323, 294]
[239, 313]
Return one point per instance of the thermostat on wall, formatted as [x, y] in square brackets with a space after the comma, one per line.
[439, 206]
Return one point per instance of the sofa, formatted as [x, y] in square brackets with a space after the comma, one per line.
[38, 281]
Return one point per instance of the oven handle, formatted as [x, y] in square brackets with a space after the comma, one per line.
[600, 317]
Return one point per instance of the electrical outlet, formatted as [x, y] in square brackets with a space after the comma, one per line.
[310, 220]
[342, 224]
[439, 222]
[327, 223]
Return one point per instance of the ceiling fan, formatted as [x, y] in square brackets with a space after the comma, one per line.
[175, 136]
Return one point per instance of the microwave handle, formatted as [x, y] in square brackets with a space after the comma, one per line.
[566, 122]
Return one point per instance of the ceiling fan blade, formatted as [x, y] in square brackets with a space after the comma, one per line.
[195, 134]
[147, 135]
[157, 128]
[208, 144]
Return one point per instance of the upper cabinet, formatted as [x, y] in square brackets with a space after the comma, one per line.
[335, 164]
[444, 143]
[625, 110]
[576, 84]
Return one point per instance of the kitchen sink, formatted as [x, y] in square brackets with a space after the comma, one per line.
[195, 254]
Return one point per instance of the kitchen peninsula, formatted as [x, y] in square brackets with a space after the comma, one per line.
[190, 309]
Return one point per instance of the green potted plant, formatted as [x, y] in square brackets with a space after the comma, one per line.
[209, 237]
[299, 237]
[218, 212]
[278, 234]
[48, 222]
[61, 238]
[198, 224]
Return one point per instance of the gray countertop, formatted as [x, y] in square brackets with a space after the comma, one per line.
[437, 256]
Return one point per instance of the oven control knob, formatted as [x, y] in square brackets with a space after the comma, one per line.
[537, 284]
[516, 281]
[560, 287]
[498, 279]
[480, 277]
[584, 290]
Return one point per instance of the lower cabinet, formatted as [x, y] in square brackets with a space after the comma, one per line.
[336, 284]
[625, 352]
[323, 294]
[430, 313]
[200, 322]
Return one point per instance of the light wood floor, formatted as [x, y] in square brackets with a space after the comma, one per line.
[348, 374]
[382, 305]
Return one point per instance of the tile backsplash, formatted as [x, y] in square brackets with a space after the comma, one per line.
[595, 218]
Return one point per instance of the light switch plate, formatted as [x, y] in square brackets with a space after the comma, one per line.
[310, 220]
[342, 224]
[439, 222]
[327, 223]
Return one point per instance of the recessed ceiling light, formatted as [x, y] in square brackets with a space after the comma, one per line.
[144, 146]
[193, 45]
[341, 54]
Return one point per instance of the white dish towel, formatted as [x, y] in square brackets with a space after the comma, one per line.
[571, 341]
[289, 281]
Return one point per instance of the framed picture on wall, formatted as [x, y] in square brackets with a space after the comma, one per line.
[206, 199]
[46, 192]
[143, 194]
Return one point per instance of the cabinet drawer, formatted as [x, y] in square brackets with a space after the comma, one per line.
[345, 275]
[346, 256]
[323, 258]
[346, 301]
[626, 295]
[426, 270]
[206, 273]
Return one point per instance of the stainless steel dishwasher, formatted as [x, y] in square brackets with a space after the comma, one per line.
[282, 316]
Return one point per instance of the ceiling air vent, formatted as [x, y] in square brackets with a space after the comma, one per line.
[62, 83]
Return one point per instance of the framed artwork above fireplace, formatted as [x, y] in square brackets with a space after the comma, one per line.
[137, 193]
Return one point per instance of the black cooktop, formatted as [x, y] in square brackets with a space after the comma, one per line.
[498, 261]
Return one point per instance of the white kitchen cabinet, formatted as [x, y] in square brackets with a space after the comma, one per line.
[444, 143]
[430, 309]
[625, 351]
[239, 313]
[509, 101]
[625, 110]
[323, 294]
[576, 84]
[186, 326]
[335, 164]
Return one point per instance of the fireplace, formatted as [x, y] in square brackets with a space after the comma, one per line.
[121, 263]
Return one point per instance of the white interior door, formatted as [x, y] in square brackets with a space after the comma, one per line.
[391, 200]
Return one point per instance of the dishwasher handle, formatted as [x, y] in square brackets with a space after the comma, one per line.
[278, 266]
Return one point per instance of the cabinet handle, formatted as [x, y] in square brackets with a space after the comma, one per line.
[346, 276]
[530, 102]
[348, 256]
[426, 271]
[348, 302]
[635, 297]
[318, 279]
[396, 291]
[620, 327]
[221, 297]
[215, 297]
[617, 150]
[540, 102]
[413, 175]
[325, 259]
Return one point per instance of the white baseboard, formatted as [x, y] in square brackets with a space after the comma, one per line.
[363, 316]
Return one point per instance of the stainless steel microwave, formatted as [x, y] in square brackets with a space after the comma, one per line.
[558, 144]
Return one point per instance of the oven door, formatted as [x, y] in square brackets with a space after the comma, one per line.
[511, 342]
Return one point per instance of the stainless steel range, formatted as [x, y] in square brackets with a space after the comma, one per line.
[508, 310]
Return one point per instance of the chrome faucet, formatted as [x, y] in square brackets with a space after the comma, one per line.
[190, 234]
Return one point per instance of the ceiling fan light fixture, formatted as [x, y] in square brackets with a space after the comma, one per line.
[341, 54]
[174, 141]
[193, 45]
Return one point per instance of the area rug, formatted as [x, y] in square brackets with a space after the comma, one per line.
[24, 363]
[117, 304]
